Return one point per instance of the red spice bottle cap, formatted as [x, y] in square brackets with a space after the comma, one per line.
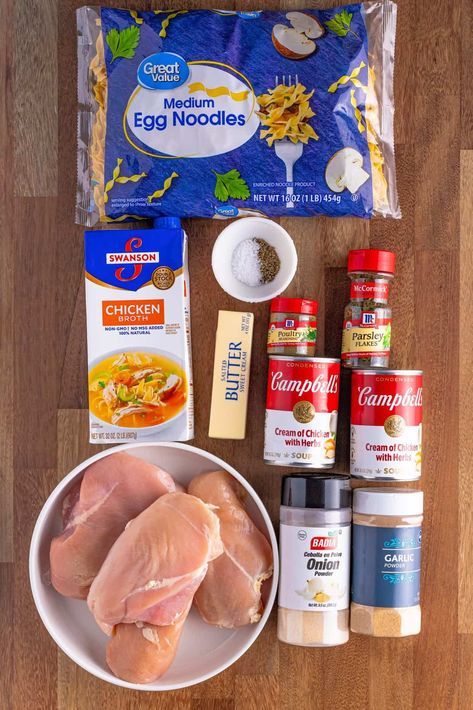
[371, 260]
[294, 305]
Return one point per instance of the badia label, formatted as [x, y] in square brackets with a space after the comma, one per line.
[315, 567]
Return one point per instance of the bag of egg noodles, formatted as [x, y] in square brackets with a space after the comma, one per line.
[211, 113]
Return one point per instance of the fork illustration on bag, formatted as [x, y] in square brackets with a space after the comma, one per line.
[287, 151]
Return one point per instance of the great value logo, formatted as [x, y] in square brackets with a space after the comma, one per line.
[162, 71]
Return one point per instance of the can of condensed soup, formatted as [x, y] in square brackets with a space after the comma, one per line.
[301, 411]
[386, 425]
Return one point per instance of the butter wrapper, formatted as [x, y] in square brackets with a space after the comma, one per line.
[231, 376]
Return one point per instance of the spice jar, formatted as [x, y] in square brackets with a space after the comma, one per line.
[386, 561]
[292, 327]
[314, 544]
[366, 338]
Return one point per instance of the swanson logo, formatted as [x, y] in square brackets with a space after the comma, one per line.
[134, 258]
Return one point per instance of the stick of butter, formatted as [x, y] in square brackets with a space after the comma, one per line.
[231, 378]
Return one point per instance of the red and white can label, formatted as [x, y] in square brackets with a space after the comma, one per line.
[386, 425]
[301, 412]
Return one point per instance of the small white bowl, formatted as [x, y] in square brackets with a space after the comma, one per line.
[247, 228]
[204, 650]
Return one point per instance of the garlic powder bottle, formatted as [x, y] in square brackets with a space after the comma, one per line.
[387, 541]
[314, 543]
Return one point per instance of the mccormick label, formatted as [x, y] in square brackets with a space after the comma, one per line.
[290, 332]
[301, 411]
[367, 334]
[369, 290]
[315, 567]
[386, 566]
[386, 425]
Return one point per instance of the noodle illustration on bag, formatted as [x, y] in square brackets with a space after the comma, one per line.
[285, 112]
[206, 113]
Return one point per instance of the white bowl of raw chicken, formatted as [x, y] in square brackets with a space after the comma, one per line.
[204, 650]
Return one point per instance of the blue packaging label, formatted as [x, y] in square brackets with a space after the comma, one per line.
[386, 566]
[127, 259]
[209, 115]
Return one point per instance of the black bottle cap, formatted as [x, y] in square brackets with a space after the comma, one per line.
[315, 491]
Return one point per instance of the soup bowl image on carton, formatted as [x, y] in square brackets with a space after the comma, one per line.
[168, 385]
[138, 334]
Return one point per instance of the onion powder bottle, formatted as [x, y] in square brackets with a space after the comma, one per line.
[314, 540]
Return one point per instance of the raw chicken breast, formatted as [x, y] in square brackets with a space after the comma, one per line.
[141, 653]
[154, 568]
[113, 490]
[230, 594]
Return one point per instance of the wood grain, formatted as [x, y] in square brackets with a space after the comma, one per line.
[465, 495]
[35, 131]
[42, 346]
[6, 297]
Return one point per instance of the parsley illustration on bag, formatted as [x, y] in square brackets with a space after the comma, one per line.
[123, 43]
[341, 24]
[230, 184]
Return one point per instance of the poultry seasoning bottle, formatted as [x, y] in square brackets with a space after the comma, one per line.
[385, 584]
[314, 539]
[366, 337]
[292, 327]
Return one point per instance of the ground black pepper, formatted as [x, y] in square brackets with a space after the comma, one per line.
[269, 260]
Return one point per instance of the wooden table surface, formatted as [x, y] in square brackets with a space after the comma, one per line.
[43, 367]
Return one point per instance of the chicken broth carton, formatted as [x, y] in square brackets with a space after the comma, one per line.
[138, 334]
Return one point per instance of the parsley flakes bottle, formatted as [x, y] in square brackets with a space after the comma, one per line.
[366, 338]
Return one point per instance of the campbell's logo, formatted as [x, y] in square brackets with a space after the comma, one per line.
[321, 383]
[312, 384]
[134, 258]
[409, 398]
[323, 543]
